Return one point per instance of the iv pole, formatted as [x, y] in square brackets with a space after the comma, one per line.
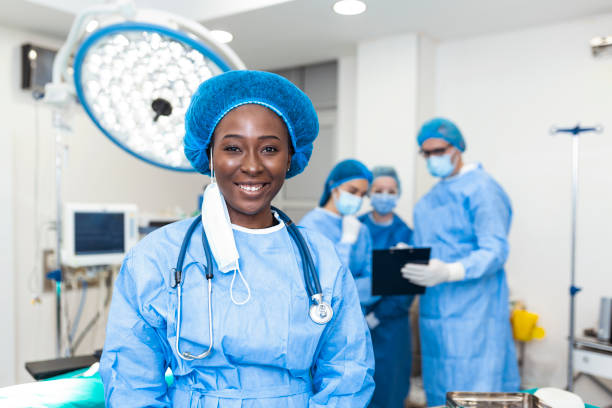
[575, 133]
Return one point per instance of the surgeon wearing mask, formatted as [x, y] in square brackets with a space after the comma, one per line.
[251, 130]
[343, 192]
[388, 319]
[466, 340]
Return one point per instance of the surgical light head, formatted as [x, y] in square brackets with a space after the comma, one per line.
[135, 81]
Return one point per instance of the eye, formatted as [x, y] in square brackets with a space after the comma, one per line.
[231, 148]
[270, 149]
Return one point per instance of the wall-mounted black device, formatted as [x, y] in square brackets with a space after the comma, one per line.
[36, 67]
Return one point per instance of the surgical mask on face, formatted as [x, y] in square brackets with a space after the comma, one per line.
[347, 203]
[383, 203]
[440, 166]
[220, 236]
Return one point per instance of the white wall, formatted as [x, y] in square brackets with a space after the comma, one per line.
[386, 108]
[7, 289]
[347, 104]
[96, 171]
[505, 91]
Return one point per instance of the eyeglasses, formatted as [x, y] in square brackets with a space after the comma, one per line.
[434, 152]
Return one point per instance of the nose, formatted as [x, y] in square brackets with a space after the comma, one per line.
[251, 163]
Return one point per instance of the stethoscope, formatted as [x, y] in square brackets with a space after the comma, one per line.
[320, 312]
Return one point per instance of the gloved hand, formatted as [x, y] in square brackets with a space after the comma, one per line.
[372, 320]
[401, 245]
[350, 229]
[434, 273]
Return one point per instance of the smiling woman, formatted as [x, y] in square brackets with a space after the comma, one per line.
[282, 344]
[251, 153]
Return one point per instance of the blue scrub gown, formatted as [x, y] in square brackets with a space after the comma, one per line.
[392, 337]
[466, 339]
[266, 353]
[356, 256]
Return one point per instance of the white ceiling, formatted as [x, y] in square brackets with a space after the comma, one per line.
[283, 33]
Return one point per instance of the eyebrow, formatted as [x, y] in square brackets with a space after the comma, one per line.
[234, 136]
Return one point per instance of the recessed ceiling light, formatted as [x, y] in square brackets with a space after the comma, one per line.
[222, 36]
[349, 7]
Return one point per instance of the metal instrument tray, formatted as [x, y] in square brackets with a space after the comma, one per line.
[493, 400]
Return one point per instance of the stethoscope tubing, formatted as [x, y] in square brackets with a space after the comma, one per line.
[311, 278]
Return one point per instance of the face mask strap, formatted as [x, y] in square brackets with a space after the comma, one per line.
[245, 284]
[212, 167]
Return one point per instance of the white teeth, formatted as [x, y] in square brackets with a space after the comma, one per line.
[247, 187]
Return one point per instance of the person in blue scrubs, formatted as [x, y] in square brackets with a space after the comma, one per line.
[266, 351]
[389, 317]
[345, 186]
[466, 339]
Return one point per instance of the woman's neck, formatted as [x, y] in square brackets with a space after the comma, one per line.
[382, 219]
[263, 219]
[331, 206]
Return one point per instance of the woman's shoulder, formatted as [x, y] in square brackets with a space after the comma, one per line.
[323, 250]
[168, 235]
[158, 251]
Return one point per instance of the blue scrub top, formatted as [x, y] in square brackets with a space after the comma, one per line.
[267, 352]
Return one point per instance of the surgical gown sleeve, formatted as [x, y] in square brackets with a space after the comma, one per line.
[132, 366]
[491, 214]
[358, 257]
[344, 366]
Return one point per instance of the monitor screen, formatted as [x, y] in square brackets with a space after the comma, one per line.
[98, 233]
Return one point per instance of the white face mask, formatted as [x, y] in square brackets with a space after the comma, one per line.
[218, 228]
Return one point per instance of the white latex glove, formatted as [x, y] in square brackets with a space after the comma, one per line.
[434, 273]
[350, 229]
[401, 245]
[372, 320]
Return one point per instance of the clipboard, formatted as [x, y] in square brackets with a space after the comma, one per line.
[387, 270]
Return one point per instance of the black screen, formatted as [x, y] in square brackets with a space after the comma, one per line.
[98, 233]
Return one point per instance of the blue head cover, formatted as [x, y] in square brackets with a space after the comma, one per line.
[344, 171]
[441, 128]
[386, 171]
[220, 94]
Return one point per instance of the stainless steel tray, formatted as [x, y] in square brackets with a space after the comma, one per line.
[493, 400]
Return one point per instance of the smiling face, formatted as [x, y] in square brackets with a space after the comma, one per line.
[251, 153]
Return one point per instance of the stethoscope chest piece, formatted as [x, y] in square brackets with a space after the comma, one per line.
[321, 313]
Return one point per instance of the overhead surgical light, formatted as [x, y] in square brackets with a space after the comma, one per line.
[135, 74]
[349, 7]
[135, 81]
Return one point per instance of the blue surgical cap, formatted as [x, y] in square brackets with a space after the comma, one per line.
[220, 94]
[346, 170]
[441, 128]
[386, 171]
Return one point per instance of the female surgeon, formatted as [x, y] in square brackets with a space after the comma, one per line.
[388, 318]
[257, 346]
[346, 185]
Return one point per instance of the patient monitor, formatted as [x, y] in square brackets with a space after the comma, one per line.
[97, 234]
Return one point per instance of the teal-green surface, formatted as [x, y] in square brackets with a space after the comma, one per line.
[76, 389]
